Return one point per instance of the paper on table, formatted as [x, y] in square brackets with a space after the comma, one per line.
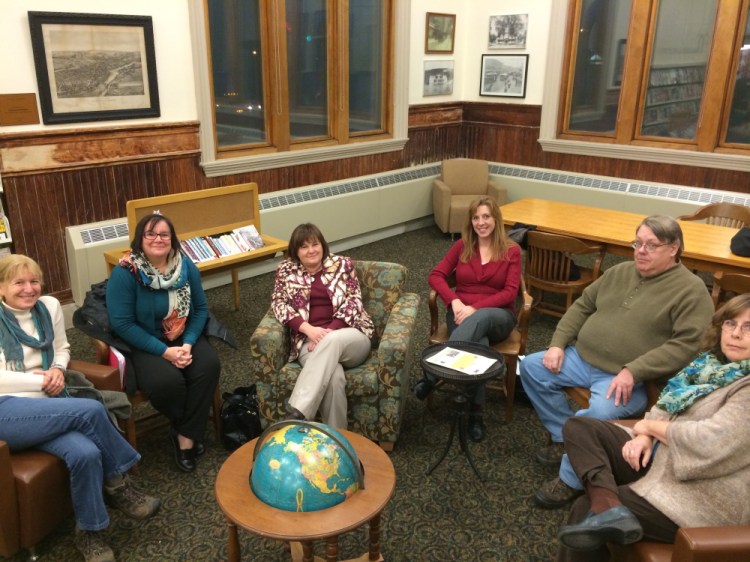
[468, 363]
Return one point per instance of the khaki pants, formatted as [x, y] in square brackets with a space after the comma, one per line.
[321, 385]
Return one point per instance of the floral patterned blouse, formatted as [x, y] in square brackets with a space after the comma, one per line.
[291, 296]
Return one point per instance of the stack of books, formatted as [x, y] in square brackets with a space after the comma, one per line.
[239, 240]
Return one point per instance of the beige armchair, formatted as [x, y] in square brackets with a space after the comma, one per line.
[462, 180]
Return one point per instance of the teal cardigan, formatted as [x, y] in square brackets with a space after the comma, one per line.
[136, 312]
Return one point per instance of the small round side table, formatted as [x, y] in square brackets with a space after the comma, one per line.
[242, 507]
[461, 380]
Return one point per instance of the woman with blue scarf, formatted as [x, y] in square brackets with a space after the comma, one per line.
[156, 304]
[35, 412]
[686, 464]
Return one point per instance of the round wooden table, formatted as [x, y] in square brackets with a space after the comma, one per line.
[243, 509]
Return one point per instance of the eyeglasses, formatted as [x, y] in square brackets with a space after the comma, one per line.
[730, 325]
[649, 246]
[151, 235]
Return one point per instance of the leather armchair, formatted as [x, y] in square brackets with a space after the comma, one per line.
[462, 180]
[35, 495]
[377, 389]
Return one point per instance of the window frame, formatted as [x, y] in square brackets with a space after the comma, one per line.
[552, 140]
[303, 152]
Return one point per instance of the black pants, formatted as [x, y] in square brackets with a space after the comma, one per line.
[183, 395]
[594, 449]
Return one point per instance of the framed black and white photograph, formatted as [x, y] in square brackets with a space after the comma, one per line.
[439, 33]
[94, 67]
[504, 75]
[438, 78]
[508, 32]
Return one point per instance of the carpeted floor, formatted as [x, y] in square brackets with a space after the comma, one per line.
[449, 515]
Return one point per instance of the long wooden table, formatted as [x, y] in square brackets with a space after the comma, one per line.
[706, 245]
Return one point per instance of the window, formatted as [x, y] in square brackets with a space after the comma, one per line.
[643, 74]
[293, 74]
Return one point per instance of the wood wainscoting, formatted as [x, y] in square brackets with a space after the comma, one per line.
[54, 179]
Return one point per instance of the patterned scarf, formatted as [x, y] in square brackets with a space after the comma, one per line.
[704, 375]
[174, 281]
[13, 338]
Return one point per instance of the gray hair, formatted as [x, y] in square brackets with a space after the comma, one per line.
[667, 230]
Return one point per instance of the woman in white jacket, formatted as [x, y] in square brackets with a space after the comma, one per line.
[35, 412]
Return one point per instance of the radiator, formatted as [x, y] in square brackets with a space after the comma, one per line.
[349, 212]
[85, 245]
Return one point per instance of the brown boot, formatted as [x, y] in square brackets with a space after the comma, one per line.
[131, 501]
[92, 546]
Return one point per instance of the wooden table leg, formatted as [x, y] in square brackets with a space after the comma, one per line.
[236, 288]
[332, 549]
[308, 555]
[233, 543]
[375, 538]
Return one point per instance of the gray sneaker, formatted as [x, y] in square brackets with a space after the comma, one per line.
[92, 546]
[555, 493]
[131, 501]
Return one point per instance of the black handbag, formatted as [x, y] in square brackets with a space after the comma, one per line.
[240, 418]
[740, 243]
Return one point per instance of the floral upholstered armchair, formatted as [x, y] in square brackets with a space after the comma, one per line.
[377, 389]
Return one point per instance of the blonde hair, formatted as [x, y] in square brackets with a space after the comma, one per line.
[12, 264]
[499, 242]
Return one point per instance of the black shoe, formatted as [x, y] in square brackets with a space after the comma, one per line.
[293, 414]
[422, 388]
[476, 428]
[617, 524]
[185, 458]
[199, 448]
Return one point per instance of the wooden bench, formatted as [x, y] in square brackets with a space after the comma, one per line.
[204, 213]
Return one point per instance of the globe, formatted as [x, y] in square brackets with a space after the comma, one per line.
[304, 466]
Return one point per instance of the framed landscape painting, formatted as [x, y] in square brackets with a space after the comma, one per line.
[508, 32]
[94, 67]
[504, 75]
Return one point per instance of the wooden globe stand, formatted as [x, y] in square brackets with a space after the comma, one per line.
[243, 509]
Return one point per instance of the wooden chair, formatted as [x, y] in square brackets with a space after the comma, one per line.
[548, 267]
[728, 285]
[581, 395]
[140, 397]
[511, 347]
[721, 214]
[35, 486]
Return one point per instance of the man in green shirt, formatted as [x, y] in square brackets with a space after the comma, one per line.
[639, 321]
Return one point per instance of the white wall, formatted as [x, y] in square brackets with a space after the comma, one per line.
[174, 62]
[472, 31]
[174, 54]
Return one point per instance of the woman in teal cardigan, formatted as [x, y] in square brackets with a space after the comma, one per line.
[156, 304]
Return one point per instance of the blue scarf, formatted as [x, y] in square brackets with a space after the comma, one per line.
[13, 338]
[704, 375]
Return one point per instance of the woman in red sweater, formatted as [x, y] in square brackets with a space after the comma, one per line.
[480, 308]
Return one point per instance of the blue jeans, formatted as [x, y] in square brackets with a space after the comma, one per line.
[545, 390]
[78, 431]
[485, 326]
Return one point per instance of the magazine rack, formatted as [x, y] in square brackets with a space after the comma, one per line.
[204, 213]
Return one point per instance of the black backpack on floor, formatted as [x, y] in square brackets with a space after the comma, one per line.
[240, 419]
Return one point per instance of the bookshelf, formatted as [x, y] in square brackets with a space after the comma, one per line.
[672, 92]
[209, 213]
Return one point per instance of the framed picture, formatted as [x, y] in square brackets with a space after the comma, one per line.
[504, 75]
[94, 67]
[508, 32]
[438, 78]
[440, 30]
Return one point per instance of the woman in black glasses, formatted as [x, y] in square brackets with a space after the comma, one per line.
[156, 304]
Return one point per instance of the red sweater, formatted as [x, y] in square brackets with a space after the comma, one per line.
[494, 284]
